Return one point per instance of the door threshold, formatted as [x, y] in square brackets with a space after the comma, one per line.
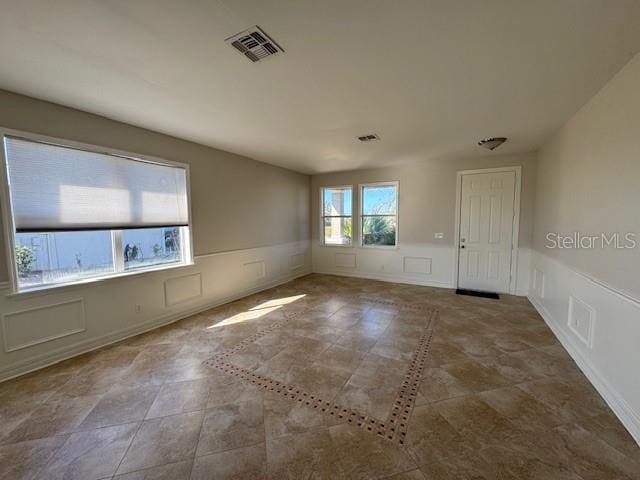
[477, 293]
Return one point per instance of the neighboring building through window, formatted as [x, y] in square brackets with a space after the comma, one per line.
[337, 221]
[78, 214]
[379, 214]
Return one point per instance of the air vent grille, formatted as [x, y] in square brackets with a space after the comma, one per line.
[254, 44]
[369, 138]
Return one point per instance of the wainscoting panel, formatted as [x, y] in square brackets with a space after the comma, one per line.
[345, 260]
[41, 328]
[431, 265]
[181, 289]
[32, 326]
[581, 320]
[416, 264]
[297, 261]
[255, 270]
[600, 328]
[419, 265]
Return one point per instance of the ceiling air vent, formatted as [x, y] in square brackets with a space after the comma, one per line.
[492, 143]
[368, 138]
[254, 44]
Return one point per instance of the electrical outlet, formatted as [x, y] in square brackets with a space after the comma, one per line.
[438, 235]
[138, 308]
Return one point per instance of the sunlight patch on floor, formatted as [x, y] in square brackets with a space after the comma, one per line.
[279, 302]
[258, 311]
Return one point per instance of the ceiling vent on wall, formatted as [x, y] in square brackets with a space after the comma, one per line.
[492, 143]
[254, 44]
[368, 138]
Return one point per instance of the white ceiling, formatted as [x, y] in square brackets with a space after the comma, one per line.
[430, 77]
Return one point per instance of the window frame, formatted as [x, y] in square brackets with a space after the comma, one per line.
[323, 216]
[361, 187]
[116, 235]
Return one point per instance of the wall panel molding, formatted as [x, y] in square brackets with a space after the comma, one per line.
[603, 342]
[33, 326]
[182, 288]
[405, 264]
[141, 301]
[416, 265]
[296, 261]
[345, 260]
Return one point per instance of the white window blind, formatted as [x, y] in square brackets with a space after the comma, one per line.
[57, 188]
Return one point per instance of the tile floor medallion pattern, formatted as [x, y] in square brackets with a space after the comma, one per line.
[324, 377]
[395, 426]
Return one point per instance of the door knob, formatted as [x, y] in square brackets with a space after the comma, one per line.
[461, 246]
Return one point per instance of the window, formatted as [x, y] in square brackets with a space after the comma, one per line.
[77, 214]
[379, 214]
[336, 215]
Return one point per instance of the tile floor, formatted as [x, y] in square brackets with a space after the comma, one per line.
[285, 383]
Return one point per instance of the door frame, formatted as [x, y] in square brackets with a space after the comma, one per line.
[516, 221]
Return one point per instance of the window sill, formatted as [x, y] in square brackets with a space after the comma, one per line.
[94, 281]
[329, 245]
[379, 247]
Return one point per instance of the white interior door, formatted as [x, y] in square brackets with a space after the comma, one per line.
[486, 231]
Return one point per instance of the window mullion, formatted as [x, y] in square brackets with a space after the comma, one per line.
[118, 252]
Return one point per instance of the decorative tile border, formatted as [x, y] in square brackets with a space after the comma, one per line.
[394, 428]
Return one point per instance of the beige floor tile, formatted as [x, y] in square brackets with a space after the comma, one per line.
[173, 471]
[231, 426]
[475, 376]
[476, 420]
[356, 341]
[340, 358]
[368, 395]
[437, 384]
[322, 381]
[24, 460]
[592, 458]
[180, 397]
[412, 475]
[284, 417]
[306, 455]
[499, 397]
[94, 381]
[521, 408]
[362, 455]
[431, 438]
[248, 463]
[570, 401]
[376, 366]
[608, 428]
[121, 405]
[234, 391]
[58, 414]
[466, 467]
[163, 440]
[91, 455]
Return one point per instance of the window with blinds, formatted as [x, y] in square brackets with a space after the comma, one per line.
[80, 213]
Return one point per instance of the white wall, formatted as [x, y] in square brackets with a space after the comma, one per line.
[236, 202]
[250, 230]
[85, 317]
[427, 200]
[588, 182]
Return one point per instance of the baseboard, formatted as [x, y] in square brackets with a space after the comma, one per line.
[624, 412]
[56, 356]
[386, 278]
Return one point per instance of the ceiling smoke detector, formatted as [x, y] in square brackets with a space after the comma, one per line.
[492, 143]
[370, 137]
[254, 44]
